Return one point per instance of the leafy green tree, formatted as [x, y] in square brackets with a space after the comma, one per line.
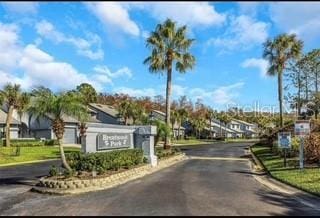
[13, 98]
[210, 115]
[174, 117]
[278, 52]
[169, 45]
[137, 112]
[44, 102]
[163, 130]
[88, 93]
[125, 110]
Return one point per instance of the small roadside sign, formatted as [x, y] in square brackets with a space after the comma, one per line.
[284, 139]
[302, 128]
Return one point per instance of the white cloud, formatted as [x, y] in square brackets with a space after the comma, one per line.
[136, 92]
[83, 46]
[104, 74]
[220, 96]
[21, 7]
[191, 13]
[123, 72]
[9, 53]
[302, 18]
[243, 33]
[226, 94]
[114, 16]
[30, 66]
[261, 64]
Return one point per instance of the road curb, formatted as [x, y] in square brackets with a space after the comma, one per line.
[88, 185]
[272, 183]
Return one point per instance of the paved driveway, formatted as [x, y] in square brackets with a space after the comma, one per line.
[201, 186]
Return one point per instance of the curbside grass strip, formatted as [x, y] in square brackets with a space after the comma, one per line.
[78, 186]
[282, 186]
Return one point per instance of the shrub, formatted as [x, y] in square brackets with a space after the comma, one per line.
[103, 161]
[312, 148]
[293, 152]
[51, 142]
[53, 171]
[68, 173]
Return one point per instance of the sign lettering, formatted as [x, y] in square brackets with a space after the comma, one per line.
[108, 141]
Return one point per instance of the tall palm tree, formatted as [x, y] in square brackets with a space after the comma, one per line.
[278, 52]
[23, 105]
[44, 102]
[169, 45]
[12, 96]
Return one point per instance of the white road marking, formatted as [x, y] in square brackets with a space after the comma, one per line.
[218, 158]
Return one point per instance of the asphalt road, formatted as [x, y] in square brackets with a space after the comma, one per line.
[200, 186]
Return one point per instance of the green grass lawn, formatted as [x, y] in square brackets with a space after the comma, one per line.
[307, 179]
[7, 155]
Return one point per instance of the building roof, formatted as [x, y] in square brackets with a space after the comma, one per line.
[105, 109]
[3, 118]
[66, 118]
[159, 112]
[175, 126]
[244, 122]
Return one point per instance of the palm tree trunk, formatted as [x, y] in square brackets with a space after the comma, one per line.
[58, 129]
[63, 157]
[280, 95]
[8, 124]
[168, 93]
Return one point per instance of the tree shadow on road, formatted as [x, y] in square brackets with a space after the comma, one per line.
[294, 208]
[18, 181]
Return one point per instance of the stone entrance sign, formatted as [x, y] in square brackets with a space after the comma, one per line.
[106, 137]
[113, 141]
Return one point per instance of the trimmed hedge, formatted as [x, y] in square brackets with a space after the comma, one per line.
[24, 142]
[51, 142]
[104, 161]
[161, 153]
[31, 142]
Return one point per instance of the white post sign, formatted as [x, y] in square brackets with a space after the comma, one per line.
[301, 129]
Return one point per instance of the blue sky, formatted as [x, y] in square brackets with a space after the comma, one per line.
[60, 45]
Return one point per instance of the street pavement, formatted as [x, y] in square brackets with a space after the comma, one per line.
[216, 181]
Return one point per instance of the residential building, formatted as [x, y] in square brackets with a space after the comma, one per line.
[248, 130]
[177, 131]
[14, 127]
